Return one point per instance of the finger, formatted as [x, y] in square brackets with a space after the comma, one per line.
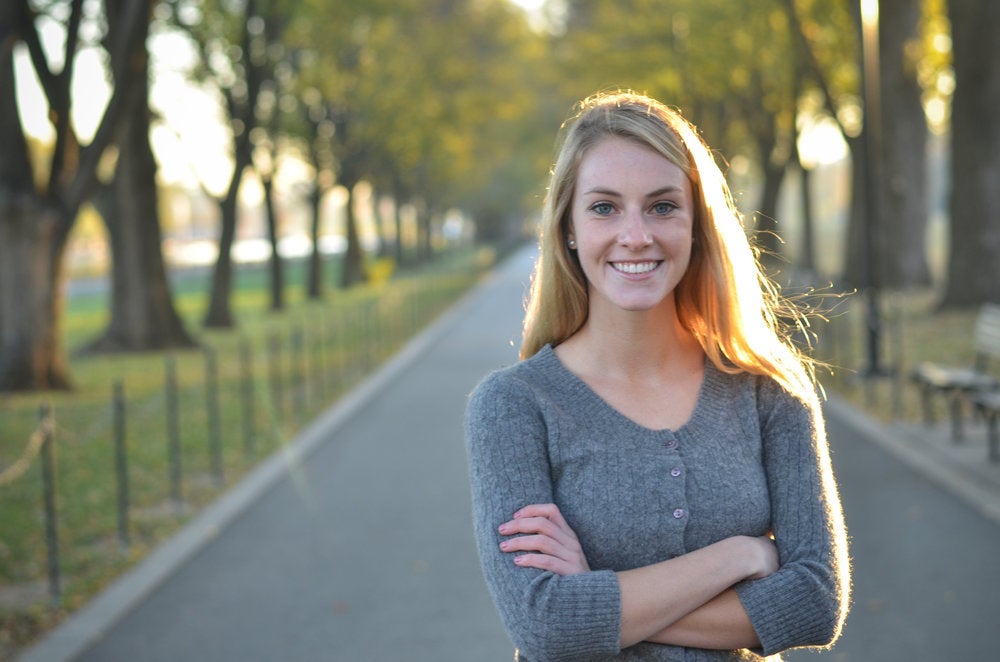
[571, 558]
[541, 544]
[546, 562]
[538, 526]
[549, 511]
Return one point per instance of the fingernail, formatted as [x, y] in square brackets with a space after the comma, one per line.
[505, 544]
[504, 528]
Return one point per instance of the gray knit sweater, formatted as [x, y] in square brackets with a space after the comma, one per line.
[747, 462]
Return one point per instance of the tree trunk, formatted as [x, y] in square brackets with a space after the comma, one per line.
[243, 120]
[425, 244]
[903, 207]
[143, 316]
[974, 261]
[352, 268]
[399, 249]
[397, 218]
[31, 357]
[314, 282]
[32, 238]
[767, 237]
[855, 263]
[807, 259]
[384, 247]
[220, 314]
[275, 264]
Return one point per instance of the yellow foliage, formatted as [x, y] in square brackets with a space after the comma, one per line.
[380, 270]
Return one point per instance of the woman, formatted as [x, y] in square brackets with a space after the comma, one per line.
[652, 480]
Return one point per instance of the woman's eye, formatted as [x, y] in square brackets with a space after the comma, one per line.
[664, 207]
[602, 208]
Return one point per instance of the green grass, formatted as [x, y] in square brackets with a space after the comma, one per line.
[302, 360]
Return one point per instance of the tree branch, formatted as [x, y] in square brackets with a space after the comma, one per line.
[136, 12]
[812, 62]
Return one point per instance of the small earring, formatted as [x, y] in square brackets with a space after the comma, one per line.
[572, 244]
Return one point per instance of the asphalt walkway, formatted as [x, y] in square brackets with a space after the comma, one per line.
[355, 544]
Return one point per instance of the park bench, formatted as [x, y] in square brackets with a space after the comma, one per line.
[958, 384]
[987, 405]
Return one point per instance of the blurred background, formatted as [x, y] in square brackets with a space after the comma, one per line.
[306, 183]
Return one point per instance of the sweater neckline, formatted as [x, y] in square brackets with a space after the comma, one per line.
[710, 383]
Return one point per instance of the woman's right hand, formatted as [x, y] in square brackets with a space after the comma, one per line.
[546, 540]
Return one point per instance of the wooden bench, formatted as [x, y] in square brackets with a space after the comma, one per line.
[987, 405]
[958, 384]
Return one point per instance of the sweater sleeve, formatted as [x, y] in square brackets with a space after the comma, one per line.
[805, 602]
[548, 617]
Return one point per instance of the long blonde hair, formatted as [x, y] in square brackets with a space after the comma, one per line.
[724, 298]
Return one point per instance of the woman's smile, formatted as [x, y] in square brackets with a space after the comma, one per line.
[635, 267]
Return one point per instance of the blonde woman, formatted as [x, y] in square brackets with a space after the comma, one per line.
[651, 481]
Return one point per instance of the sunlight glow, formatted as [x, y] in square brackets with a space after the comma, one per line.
[821, 142]
[869, 12]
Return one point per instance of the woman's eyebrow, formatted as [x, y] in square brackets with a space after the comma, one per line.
[664, 191]
[652, 194]
[602, 191]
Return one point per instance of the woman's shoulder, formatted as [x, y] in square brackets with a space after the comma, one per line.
[527, 371]
[766, 391]
[529, 379]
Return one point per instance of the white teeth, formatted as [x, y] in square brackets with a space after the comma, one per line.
[634, 267]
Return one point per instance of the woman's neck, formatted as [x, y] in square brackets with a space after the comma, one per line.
[645, 346]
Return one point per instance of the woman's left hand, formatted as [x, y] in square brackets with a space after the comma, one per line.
[546, 540]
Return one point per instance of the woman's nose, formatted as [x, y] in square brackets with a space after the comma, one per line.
[634, 233]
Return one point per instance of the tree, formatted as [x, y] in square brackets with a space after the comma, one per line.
[35, 220]
[315, 135]
[479, 137]
[335, 37]
[234, 41]
[829, 51]
[142, 311]
[903, 207]
[974, 262]
[265, 162]
[738, 86]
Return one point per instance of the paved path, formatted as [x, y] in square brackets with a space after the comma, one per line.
[356, 545]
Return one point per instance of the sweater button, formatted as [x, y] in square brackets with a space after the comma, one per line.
[679, 513]
[676, 471]
[671, 444]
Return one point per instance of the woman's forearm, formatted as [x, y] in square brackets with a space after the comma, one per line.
[719, 624]
[658, 597]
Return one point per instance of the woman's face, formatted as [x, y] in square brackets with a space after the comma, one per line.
[631, 219]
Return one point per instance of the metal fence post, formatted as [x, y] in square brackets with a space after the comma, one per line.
[277, 392]
[49, 497]
[212, 405]
[319, 359]
[121, 464]
[296, 377]
[173, 433]
[246, 372]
